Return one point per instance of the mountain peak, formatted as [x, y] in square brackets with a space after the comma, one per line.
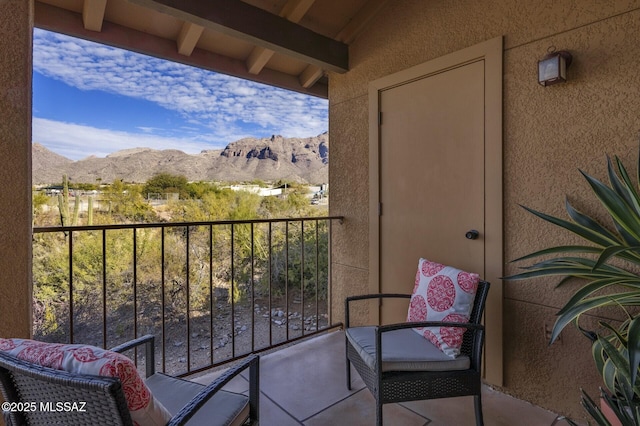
[303, 160]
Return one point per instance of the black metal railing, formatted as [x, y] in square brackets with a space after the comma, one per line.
[211, 292]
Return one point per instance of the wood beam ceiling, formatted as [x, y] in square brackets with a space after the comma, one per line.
[353, 29]
[268, 32]
[293, 10]
[93, 14]
[66, 22]
[258, 58]
[259, 27]
[310, 76]
[188, 38]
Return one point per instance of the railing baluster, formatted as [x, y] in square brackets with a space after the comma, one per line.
[270, 284]
[302, 274]
[164, 304]
[233, 295]
[329, 273]
[71, 313]
[317, 274]
[211, 292]
[104, 288]
[188, 293]
[135, 292]
[135, 284]
[286, 276]
[253, 292]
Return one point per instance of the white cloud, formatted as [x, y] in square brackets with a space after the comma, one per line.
[71, 140]
[225, 105]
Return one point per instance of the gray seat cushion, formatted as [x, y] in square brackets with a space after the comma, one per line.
[224, 408]
[403, 350]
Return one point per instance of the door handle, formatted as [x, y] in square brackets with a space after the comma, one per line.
[472, 234]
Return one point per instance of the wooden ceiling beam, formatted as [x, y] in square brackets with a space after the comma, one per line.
[257, 26]
[63, 21]
[258, 58]
[93, 14]
[310, 76]
[293, 10]
[188, 38]
[353, 29]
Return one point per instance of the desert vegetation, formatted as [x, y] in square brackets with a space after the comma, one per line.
[179, 282]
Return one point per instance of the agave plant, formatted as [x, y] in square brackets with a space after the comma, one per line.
[616, 354]
[622, 201]
[608, 264]
[626, 414]
[611, 355]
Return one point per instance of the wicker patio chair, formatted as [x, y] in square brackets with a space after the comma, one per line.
[188, 402]
[412, 368]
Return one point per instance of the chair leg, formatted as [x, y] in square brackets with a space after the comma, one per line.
[477, 400]
[348, 374]
[378, 413]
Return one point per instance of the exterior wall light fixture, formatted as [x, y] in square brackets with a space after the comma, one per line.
[552, 68]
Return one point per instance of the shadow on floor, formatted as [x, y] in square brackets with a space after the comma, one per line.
[305, 384]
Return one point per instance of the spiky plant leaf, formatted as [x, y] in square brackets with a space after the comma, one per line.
[633, 347]
[609, 263]
[620, 212]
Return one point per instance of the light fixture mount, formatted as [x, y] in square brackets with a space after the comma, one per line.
[552, 68]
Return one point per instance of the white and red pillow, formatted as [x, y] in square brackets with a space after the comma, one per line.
[83, 359]
[442, 293]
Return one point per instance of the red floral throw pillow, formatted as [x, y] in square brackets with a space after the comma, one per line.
[442, 293]
[83, 359]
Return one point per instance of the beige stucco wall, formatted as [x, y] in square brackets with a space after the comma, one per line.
[16, 24]
[548, 134]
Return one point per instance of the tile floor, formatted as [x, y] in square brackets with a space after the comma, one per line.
[304, 384]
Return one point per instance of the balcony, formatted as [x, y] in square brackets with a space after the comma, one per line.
[305, 384]
[212, 292]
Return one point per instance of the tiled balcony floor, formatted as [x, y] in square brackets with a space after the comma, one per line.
[304, 384]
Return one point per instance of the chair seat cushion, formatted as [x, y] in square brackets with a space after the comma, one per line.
[403, 350]
[224, 408]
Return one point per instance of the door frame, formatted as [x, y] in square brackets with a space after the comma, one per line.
[491, 52]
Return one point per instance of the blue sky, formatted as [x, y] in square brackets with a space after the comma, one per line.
[92, 99]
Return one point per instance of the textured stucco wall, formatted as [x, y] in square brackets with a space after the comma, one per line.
[16, 24]
[548, 134]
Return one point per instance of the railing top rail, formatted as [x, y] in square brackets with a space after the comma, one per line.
[41, 229]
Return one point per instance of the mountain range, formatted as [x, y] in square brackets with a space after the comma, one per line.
[303, 160]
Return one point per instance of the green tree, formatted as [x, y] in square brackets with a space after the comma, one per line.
[166, 183]
[198, 190]
[126, 204]
[39, 200]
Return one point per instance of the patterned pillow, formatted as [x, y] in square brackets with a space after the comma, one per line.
[83, 359]
[442, 293]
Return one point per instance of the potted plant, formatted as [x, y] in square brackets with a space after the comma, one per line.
[608, 263]
[615, 356]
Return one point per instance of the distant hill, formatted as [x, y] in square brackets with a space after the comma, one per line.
[42, 158]
[302, 160]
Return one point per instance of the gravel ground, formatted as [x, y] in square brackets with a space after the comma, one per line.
[267, 328]
[272, 324]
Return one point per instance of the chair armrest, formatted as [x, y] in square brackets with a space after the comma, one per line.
[149, 354]
[377, 296]
[7, 418]
[253, 363]
[369, 296]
